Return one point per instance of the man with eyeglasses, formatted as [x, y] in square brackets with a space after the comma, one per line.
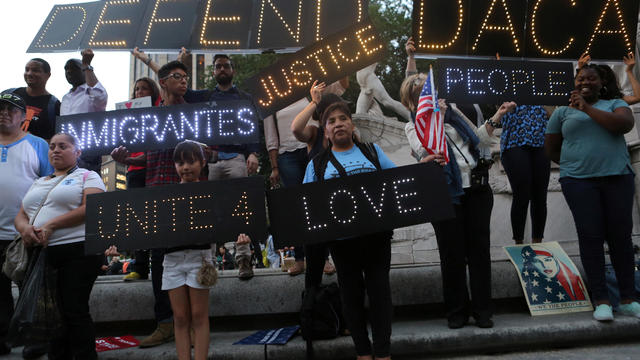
[86, 95]
[23, 159]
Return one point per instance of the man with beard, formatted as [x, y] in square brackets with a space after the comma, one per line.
[42, 107]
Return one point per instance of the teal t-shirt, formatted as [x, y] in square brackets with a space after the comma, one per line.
[588, 149]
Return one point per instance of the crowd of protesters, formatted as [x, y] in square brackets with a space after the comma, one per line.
[46, 179]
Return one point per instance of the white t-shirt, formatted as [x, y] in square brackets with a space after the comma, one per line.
[21, 163]
[66, 196]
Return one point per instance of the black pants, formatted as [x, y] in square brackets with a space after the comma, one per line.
[6, 298]
[162, 304]
[136, 179]
[76, 275]
[363, 265]
[528, 170]
[602, 210]
[465, 241]
[316, 255]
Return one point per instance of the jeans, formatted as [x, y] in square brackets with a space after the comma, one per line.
[528, 170]
[76, 275]
[6, 298]
[602, 211]
[292, 166]
[363, 265]
[162, 305]
[464, 241]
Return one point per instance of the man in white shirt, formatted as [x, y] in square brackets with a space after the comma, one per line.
[23, 159]
[86, 95]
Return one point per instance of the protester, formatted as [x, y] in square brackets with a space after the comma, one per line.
[527, 168]
[189, 297]
[225, 259]
[136, 173]
[42, 107]
[86, 95]
[52, 215]
[23, 159]
[362, 262]
[586, 139]
[610, 81]
[465, 239]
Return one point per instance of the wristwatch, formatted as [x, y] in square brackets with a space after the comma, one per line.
[89, 67]
[494, 124]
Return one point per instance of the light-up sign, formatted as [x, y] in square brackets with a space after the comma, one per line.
[174, 215]
[495, 81]
[215, 123]
[199, 25]
[359, 205]
[561, 29]
[329, 60]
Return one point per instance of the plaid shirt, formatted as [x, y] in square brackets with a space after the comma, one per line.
[160, 168]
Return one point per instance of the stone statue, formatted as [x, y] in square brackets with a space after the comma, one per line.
[371, 89]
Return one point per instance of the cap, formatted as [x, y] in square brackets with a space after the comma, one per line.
[13, 99]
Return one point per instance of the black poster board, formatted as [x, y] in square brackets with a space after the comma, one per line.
[494, 81]
[339, 55]
[201, 25]
[214, 123]
[175, 215]
[359, 205]
[554, 29]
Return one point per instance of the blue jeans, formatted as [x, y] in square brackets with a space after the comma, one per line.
[602, 211]
[292, 165]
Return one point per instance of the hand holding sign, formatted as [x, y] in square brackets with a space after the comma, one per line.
[630, 61]
[316, 91]
[577, 101]
[87, 56]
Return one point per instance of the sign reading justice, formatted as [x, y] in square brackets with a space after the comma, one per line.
[214, 123]
[495, 81]
[199, 25]
[174, 215]
[359, 205]
[339, 55]
[561, 29]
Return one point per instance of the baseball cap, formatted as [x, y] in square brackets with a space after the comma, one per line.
[13, 99]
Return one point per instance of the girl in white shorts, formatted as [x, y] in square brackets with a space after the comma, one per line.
[189, 299]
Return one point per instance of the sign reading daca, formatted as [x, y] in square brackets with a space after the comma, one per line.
[200, 25]
[359, 205]
[495, 81]
[557, 29]
[174, 215]
[337, 56]
[214, 123]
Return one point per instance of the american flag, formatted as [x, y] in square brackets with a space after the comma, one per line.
[429, 121]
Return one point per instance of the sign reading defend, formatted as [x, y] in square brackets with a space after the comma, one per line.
[495, 81]
[337, 56]
[214, 123]
[175, 215]
[359, 205]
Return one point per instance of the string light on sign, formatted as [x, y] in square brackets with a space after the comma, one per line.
[421, 33]
[534, 36]
[552, 83]
[509, 27]
[155, 20]
[242, 209]
[533, 85]
[471, 81]
[304, 72]
[451, 80]
[308, 218]
[400, 196]
[294, 34]
[242, 119]
[52, 20]
[377, 208]
[364, 42]
[118, 43]
[621, 31]
[207, 19]
[354, 208]
[490, 82]
[515, 81]
[193, 210]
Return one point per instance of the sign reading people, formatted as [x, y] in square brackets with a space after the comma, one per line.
[214, 123]
[359, 205]
[174, 215]
[337, 56]
[495, 81]
[200, 25]
[559, 29]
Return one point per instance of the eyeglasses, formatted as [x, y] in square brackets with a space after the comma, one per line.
[220, 66]
[178, 76]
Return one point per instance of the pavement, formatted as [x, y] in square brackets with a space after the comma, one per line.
[431, 338]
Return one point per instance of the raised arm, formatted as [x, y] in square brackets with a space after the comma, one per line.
[300, 126]
[630, 61]
[146, 59]
[410, 48]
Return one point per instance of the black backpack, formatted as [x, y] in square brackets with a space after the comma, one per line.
[321, 314]
[321, 160]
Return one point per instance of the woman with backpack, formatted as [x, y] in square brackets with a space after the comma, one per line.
[362, 262]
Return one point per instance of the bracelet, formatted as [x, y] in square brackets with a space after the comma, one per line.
[494, 124]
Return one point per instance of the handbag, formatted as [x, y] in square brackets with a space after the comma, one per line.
[16, 254]
[208, 274]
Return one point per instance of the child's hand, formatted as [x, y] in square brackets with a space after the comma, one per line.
[243, 239]
[112, 251]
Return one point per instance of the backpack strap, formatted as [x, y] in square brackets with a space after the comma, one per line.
[320, 164]
[369, 151]
[336, 164]
[51, 109]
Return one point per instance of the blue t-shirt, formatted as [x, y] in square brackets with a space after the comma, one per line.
[588, 149]
[353, 161]
[524, 127]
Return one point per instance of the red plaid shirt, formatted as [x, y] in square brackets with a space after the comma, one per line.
[160, 168]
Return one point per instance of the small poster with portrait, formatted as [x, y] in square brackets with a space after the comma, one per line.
[550, 280]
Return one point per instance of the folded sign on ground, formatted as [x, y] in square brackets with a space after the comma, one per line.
[199, 25]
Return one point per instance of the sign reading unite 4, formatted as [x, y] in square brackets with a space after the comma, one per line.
[196, 24]
[560, 29]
